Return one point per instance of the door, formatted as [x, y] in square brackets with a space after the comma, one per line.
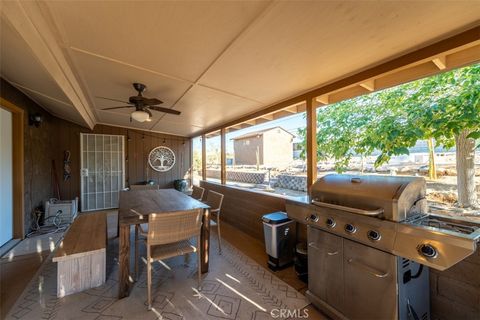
[102, 170]
[370, 282]
[325, 267]
[6, 174]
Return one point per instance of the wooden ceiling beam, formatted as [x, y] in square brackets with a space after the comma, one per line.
[267, 116]
[282, 114]
[323, 99]
[369, 85]
[27, 19]
[261, 120]
[293, 109]
[440, 62]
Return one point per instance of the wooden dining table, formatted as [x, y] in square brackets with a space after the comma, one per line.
[134, 208]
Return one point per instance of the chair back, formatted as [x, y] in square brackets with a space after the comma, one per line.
[214, 200]
[144, 187]
[197, 192]
[170, 227]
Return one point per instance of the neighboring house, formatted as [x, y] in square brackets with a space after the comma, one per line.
[270, 148]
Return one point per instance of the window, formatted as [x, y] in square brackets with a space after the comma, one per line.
[261, 155]
[391, 132]
[213, 156]
[197, 160]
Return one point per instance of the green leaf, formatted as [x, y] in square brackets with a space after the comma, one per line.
[474, 135]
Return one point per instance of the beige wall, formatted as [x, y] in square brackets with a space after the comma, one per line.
[275, 149]
[245, 150]
[278, 148]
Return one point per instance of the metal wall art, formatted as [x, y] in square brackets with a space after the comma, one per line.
[161, 159]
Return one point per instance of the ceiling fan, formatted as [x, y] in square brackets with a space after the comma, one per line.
[142, 105]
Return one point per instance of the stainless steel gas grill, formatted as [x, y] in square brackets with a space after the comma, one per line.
[369, 238]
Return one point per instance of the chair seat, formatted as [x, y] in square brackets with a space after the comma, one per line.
[166, 251]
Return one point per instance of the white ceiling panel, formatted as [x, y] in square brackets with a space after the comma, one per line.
[55, 107]
[204, 107]
[114, 80]
[179, 38]
[19, 65]
[176, 127]
[299, 45]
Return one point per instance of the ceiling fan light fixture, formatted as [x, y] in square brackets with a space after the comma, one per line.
[140, 116]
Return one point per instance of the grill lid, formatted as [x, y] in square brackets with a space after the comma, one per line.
[391, 197]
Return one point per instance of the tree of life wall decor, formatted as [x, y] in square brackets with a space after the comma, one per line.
[161, 159]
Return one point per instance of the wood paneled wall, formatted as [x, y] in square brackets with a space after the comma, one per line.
[54, 136]
[244, 209]
[138, 145]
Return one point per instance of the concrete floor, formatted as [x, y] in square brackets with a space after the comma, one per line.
[17, 271]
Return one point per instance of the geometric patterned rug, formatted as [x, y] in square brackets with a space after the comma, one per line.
[236, 287]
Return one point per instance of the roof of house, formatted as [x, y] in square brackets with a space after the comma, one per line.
[260, 132]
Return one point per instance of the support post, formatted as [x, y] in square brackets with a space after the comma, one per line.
[223, 157]
[311, 142]
[204, 157]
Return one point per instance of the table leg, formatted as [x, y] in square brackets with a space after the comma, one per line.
[205, 240]
[124, 261]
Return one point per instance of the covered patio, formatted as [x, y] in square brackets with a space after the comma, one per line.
[115, 114]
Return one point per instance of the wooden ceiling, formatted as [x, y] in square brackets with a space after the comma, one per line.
[214, 61]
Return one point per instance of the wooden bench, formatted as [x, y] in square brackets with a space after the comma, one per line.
[81, 256]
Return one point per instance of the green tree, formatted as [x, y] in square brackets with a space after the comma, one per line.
[444, 108]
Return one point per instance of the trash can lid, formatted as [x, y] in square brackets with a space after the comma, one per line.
[275, 218]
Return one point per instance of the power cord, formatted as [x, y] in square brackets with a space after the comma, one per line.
[42, 230]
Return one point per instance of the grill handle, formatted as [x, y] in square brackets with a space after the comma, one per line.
[367, 269]
[374, 212]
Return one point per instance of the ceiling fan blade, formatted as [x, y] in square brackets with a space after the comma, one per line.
[152, 101]
[111, 108]
[166, 110]
[116, 100]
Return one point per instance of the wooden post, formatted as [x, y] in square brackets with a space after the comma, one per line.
[124, 261]
[204, 157]
[191, 164]
[311, 142]
[205, 241]
[223, 157]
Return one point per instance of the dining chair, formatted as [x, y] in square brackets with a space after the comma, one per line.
[197, 193]
[168, 236]
[215, 200]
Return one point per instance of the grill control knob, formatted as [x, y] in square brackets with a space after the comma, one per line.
[313, 217]
[427, 250]
[330, 223]
[373, 235]
[350, 228]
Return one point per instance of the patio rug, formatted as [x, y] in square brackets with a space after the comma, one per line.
[236, 287]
